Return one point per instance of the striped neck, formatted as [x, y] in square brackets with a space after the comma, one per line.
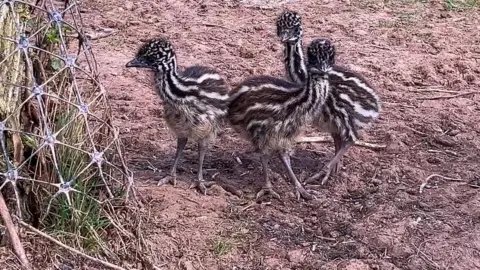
[312, 96]
[295, 62]
[318, 87]
[170, 85]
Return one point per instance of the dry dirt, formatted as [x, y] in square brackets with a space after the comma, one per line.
[371, 215]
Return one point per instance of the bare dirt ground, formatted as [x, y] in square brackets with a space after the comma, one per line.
[371, 215]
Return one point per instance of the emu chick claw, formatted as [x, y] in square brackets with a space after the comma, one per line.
[265, 191]
[168, 179]
[301, 192]
[202, 186]
[326, 172]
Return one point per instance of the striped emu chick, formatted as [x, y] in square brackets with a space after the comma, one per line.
[272, 112]
[195, 101]
[289, 31]
[351, 104]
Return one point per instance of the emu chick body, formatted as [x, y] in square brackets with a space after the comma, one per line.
[351, 104]
[194, 118]
[272, 112]
[195, 101]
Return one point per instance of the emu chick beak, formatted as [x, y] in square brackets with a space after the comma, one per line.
[136, 63]
[285, 37]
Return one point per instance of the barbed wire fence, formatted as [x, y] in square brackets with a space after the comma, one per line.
[62, 168]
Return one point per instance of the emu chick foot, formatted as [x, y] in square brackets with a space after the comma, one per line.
[267, 190]
[301, 192]
[202, 186]
[168, 179]
[326, 172]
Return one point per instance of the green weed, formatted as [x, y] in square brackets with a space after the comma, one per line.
[222, 247]
[461, 5]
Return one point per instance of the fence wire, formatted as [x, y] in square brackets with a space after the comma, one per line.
[56, 131]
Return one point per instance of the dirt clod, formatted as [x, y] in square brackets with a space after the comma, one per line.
[296, 256]
[353, 265]
[188, 265]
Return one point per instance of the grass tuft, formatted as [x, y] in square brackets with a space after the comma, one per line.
[222, 246]
[461, 5]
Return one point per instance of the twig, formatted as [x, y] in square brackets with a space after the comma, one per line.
[425, 257]
[451, 96]
[248, 206]
[331, 239]
[98, 35]
[48, 237]
[424, 184]
[380, 47]
[434, 90]
[12, 232]
[190, 200]
[328, 139]
[417, 132]
[219, 26]
[153, 168]
[105, 33]
[399, 104]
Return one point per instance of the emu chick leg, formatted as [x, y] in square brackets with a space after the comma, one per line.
[327, 170]
[337, 140]
[267, 188]
[200, 182]
[300, 190]
[172, 176]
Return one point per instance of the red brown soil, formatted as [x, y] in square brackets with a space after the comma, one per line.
[371, 215]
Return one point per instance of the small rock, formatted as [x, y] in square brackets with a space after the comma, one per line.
[129, 6]
[216, 190]
[434, 160]
[454, 132]
[382, 265]
[353, 265]
[361, 33]
[296, 256]
[223, 51]
[188, 265]
[470, 78]
[334, 234]
[272, 263]
[475, 182]
[444, 141]
[244, 53]
[376, 181]
[66, 266]
[111, 23]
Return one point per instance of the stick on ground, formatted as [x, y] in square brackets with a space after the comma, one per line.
[328, 139]
[424, 184]
[46, 236]
[452, 96]
[12, 232]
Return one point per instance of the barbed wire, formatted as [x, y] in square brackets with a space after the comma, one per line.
[55, 105]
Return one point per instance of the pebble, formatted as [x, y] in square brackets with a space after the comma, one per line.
[296, 256]
[129, 6]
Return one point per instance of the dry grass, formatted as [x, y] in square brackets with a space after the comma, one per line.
[71, 181]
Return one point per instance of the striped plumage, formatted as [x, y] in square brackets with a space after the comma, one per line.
[352, 102]
[195, 101]
[289, 31]
[271, 112]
